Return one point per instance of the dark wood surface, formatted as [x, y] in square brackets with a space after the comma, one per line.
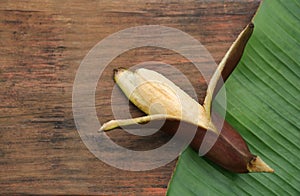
[41, 46]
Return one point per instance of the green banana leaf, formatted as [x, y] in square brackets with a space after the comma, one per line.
[263, 104]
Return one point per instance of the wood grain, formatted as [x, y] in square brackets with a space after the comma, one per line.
[41, 47]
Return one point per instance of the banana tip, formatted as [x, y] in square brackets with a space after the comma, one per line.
[258, 165]
[100, 130]
[119, 70]
[251, 25]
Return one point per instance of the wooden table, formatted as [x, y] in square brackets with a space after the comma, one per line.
[42, 43]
